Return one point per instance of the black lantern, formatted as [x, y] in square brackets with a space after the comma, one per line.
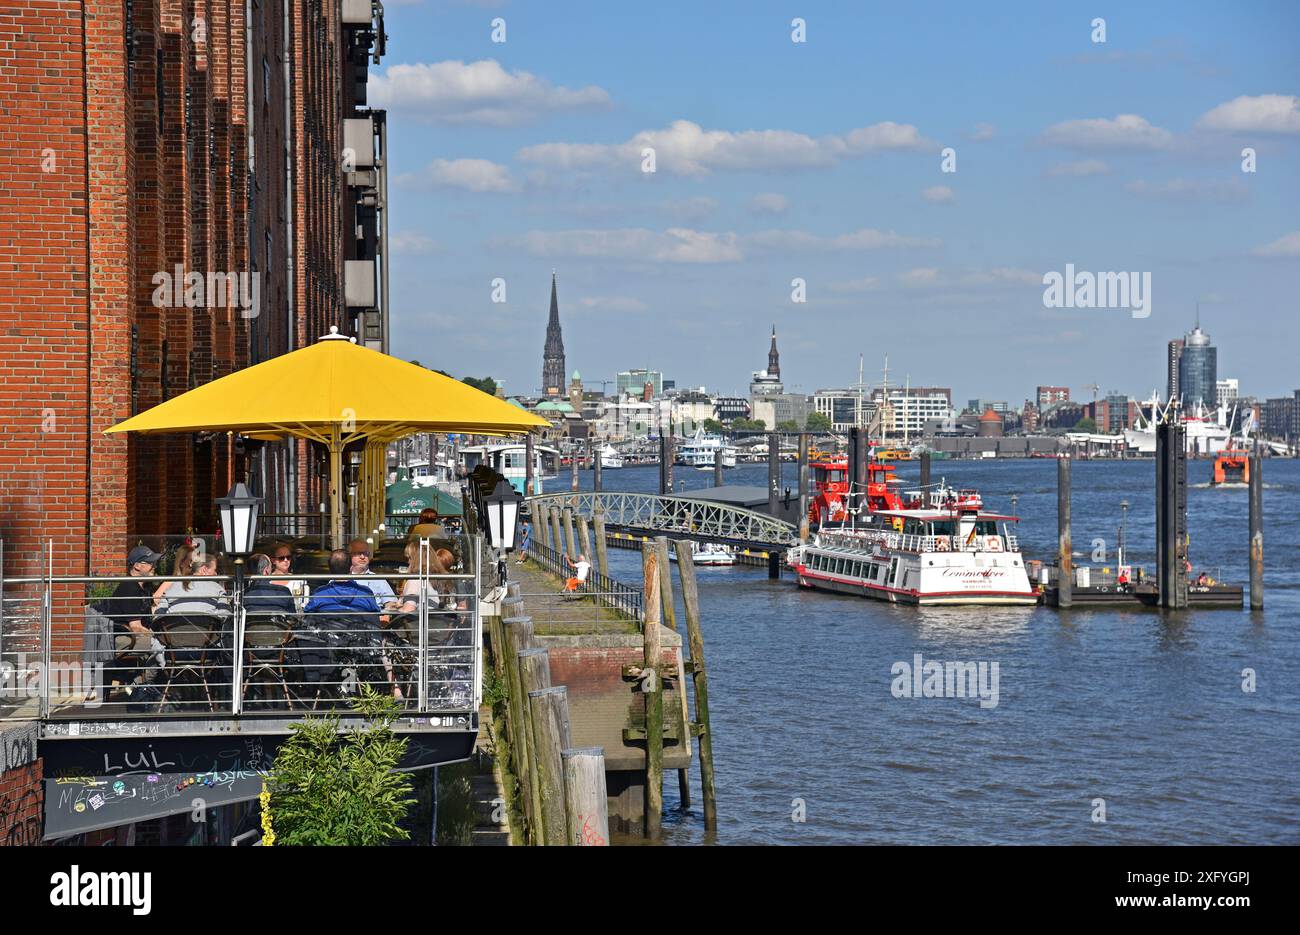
[239, 510]
[502, 508]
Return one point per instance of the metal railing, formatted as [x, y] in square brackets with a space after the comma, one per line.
[123, 646]
[601, 589]
[682, 515]
[911, 542]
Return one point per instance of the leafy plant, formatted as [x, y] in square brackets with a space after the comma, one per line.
[332, 788]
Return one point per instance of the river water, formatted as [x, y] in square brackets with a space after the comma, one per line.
[1141, 709]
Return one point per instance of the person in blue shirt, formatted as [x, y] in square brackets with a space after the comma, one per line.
[525, 540]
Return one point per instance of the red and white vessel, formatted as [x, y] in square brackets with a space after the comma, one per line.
[940, 555]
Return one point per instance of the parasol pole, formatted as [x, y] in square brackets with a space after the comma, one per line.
[336, 487]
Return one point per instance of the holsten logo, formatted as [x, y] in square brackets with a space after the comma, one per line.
[75, 888]
[1098, 290]
[922, 679]
[215, 290]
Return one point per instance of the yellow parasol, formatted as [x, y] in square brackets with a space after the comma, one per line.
[336, 392]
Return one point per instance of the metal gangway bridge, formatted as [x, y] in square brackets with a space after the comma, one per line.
[649, 515]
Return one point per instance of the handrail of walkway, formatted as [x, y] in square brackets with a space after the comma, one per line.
[675, 514]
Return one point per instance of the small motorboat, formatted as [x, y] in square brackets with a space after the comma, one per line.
[708, 553]
[1232, 466]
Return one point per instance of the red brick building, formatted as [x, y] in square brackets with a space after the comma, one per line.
[176, 208]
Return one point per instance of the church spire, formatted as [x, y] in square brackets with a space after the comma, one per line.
[774, 358]
[553, 370]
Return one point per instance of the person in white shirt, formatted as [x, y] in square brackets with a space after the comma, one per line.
[361, 554]
[581, 568]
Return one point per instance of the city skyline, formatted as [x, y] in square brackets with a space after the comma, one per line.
[512, 158]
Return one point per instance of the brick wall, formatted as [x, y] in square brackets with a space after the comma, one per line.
[126, 155]
[21, 790]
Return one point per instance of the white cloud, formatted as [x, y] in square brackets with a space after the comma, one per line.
[675, 245]
[864, 239]
[413, 243]
[921, 276]
[691, 210]
[471, 175]
[1083, 167]
[612, 303]
[994, 278]
[1287, 245]
[686, 148]
[1190, 190]
[938, 194]
[685, 245]
[983, 132]
[479, 92]
[849, 286]
[1126, 131]
[769, 203]
[1001, 275]
[1264, 113]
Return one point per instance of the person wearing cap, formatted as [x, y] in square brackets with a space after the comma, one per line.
[130, 607]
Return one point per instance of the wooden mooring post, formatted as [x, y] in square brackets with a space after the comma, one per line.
[652, 687]
[925, 479]
[1256, 533]
[699, 675]
[1171, 515]
[519, 637]
[551, 735]
[717, 467]
[803, 487]
[596, 467]
[570, 541]
[534, 675]
[556, 533]
[586, 802]
[602, 556]
[1064, 555]
[584, 537]
[669, 611]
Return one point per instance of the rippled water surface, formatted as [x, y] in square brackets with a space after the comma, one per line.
[1140, 708]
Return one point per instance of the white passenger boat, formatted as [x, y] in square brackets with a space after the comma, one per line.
[708, 553]
[945, 555]
[703, 450]
[610, 459]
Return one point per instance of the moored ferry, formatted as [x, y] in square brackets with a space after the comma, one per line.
[702, 450]
[936, 556]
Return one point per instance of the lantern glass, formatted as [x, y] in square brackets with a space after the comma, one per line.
[239, 513]
[502, 513]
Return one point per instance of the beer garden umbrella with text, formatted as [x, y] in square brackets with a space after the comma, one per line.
[337, 392]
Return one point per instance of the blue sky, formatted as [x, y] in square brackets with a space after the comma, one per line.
[821, 160]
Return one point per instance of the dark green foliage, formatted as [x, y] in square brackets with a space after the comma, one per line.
[332, 788]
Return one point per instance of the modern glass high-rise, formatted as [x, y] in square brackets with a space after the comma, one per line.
[1198, 370]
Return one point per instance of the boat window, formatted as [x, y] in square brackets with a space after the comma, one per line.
[987, 527]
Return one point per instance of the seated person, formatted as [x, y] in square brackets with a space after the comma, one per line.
[193, 597]
[427, 526]
[344, 597]
[361, 554]
[282, 568]
[266, 596]
[581, 568]
[130, 607]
